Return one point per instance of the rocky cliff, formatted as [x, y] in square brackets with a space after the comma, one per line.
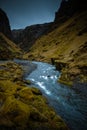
[66, 44]
[4, 24]
[25, 38]
[8, 49]
[69, 8]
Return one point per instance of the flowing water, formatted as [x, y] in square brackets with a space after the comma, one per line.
[68, 103]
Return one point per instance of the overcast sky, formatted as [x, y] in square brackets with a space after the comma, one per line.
[22, 13]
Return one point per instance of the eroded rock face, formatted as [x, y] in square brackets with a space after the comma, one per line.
[4, 24]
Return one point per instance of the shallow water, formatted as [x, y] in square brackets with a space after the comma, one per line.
[69, 104]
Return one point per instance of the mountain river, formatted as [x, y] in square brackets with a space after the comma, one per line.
[70, 104]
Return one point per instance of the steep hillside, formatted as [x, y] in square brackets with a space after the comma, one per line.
[69, 8]
[4, 24]
[25, 38]
[66, 45]
[8, 49]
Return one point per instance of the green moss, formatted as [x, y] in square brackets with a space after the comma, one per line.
[16, 111]
[83, 78]
[8, 50]
[68, 83]
[22, 107]
[26, 95]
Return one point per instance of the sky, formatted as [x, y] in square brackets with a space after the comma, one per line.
[22, 13]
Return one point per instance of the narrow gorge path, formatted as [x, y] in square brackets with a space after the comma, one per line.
[68, 103]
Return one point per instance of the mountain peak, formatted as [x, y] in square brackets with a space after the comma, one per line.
[69, 8]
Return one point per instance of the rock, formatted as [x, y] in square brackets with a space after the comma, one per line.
[60, 64]
[4, 24]
[52, 61]
[68, 8]
[27, 82]
[8, 49]
[36, 91]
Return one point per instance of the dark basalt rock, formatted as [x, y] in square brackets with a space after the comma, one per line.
[69, 8]
[4, 24]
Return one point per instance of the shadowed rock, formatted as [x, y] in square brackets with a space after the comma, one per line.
[4, 24]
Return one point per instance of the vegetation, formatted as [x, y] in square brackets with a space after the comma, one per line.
[8, 50]
[23, 107]
[67, 44]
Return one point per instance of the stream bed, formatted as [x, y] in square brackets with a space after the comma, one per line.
[70, 104]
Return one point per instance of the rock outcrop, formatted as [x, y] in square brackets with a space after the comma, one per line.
[4, 24]
[8, 49]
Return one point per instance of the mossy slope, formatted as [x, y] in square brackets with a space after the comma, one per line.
[22, 107]
[8, 50]
[65, 44]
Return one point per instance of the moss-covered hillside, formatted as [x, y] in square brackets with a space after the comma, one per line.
[67, 45]
[8, 50]
[22, 107]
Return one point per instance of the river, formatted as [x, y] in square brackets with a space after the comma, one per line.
[71, 105]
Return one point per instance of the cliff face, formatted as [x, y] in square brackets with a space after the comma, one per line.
[66, 44]
[8, 49]
[4, 24]
[27, 37]
[68, 8]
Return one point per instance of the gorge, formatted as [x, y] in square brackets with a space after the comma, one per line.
[58, 98]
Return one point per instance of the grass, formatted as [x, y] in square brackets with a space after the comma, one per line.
[8, 49]
[64, 44]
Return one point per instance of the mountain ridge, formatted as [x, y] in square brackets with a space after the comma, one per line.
[25, 38]
[66, 44]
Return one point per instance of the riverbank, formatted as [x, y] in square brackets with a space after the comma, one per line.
[27, 66]
[22, 107]
[68, 102]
